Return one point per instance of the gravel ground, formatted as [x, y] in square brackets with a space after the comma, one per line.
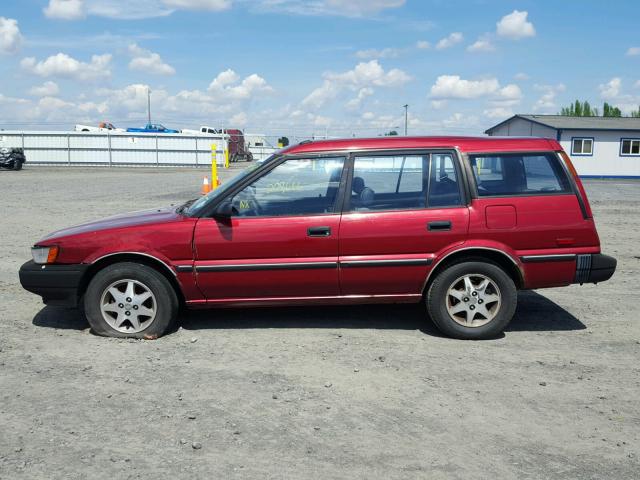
[359, 392]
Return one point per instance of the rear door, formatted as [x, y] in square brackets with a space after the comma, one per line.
[400, 209]
[282, 241]
[527, 202]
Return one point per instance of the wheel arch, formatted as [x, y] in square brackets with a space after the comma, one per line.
[502, 259]
[135, 257]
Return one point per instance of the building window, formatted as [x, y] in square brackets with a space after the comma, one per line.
[581, 146]
[630, 146]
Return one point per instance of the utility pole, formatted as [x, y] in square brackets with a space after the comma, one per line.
[406, 118]
[148, 105]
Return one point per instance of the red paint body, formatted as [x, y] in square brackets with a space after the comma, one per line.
[511, 226]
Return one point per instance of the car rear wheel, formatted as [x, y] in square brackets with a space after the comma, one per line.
[472, 300]
[130, 300]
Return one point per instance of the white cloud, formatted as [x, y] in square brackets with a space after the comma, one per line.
[547, 101]
[365, 74]
[239, 119]
[363, 94]
[10, 36]
[349, 8]
[423, 45]
[375, 53]
[515, 26]
[47, 89]
[498, 112]
[454, 87]
[370, 73]
[449, 41]
[210, 5]
[521, 76]
[438, 104]
[65, 9]
[633, 51]
[611, 89]
[508, 95]
[149, 62]
[483, 44]
[637, 84]
[62, 65]
[226, 86]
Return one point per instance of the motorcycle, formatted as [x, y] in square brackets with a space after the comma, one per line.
[12, 158]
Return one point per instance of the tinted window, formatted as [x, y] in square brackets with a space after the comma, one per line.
[518, 175]
[295, 187]
[404, 182]
[389, 182]
[443, 188]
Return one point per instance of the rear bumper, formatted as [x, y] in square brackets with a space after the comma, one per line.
[594, 268]
[56, 284]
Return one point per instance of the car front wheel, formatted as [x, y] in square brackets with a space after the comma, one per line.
[130, 300]
[472, 300]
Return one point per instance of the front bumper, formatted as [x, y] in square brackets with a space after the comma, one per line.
[594, 268]
[56, 284]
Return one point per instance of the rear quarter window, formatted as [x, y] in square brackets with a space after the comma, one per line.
[519, 174]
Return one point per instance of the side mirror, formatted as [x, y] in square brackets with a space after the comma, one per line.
[225, 211]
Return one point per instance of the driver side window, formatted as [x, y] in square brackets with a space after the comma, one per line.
[295, 187]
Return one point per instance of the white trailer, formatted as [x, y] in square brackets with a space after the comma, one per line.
[117, 148]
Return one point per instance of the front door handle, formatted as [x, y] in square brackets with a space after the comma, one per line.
[318, 231]
[440, 225]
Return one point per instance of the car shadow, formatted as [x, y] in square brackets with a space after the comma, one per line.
[535, 313]
[62, 318]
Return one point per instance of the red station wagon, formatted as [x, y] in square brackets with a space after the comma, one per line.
[456, 222]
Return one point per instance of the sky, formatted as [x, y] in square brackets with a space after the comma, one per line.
[315, 67]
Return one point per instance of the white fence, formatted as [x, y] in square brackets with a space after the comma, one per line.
[116, 148]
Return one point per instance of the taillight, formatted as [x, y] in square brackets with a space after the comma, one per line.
[582, 194]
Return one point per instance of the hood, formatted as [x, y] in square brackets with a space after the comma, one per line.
[132, 219]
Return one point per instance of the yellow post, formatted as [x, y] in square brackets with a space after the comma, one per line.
[214, 166]
[226, 157]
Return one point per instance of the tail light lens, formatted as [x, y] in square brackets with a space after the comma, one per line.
[42, 255]
[582, 194]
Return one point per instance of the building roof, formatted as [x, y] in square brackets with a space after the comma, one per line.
[465, 144]
[564, 122]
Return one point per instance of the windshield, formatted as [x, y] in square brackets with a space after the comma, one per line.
[193, 209]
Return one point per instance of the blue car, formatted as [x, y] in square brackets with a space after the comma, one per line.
[153, 128]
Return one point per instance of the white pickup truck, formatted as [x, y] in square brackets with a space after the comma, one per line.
[102, 127]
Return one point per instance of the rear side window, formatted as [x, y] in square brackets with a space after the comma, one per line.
[517, 174]
[404, 182]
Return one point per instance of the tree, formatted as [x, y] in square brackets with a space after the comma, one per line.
[610, 111]
[636, 113]
[584, 109]
[392, 133]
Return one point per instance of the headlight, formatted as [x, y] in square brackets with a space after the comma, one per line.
[43, 255]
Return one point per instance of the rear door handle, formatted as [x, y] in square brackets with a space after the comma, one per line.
[440, 225]
[318, 231]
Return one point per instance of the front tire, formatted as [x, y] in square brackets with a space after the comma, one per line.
[472, 300]
[17, 164]
[130, 300]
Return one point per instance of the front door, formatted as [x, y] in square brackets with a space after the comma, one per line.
[401, 210]
[282, 240]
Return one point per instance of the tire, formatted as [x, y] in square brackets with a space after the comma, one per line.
[17, 163]
[451, 300]
[109, 296]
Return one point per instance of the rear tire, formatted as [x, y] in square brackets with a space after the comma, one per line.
[472, 300]
[130, 300]
[17, 164]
